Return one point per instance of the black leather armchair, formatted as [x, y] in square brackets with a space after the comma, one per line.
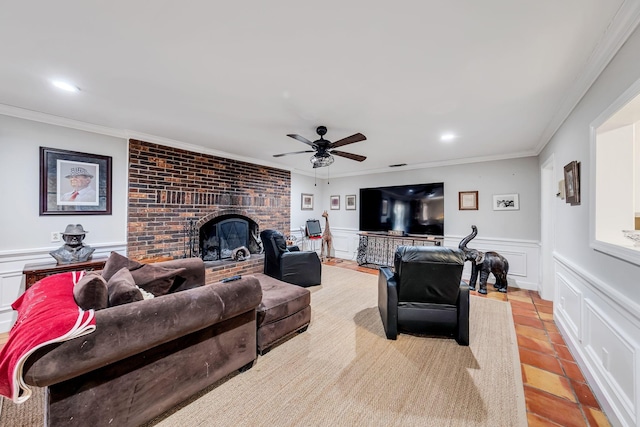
[302, 268]
[425, 294]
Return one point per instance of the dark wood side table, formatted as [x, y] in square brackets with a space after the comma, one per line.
[37, 271]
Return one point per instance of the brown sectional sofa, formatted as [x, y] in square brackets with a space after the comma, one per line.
[147, 356]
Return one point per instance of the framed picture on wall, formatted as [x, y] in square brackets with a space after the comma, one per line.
[74, 183]
[506, 202]
[350, 202]
[306, 201]
[468, 200]
[335, 202]
[572, 183]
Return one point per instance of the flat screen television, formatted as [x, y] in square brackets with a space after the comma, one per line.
[410, 209]
[313, 228]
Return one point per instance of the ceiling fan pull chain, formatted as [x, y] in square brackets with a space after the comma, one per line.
[315, 177]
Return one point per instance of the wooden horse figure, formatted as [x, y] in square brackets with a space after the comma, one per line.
[326, 237]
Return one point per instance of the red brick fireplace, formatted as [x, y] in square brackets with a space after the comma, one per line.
[172, 190]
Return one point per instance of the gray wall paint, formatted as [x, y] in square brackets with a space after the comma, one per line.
[520, 176]
[571, 142]
[20, 224]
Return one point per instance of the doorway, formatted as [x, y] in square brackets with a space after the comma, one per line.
[549, 188]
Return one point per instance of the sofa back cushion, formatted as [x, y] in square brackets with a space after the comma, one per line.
[159, 278]
[115, 263]
[91, 293]
[122, 288]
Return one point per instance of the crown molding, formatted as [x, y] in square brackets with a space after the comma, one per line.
[622, 25]
[428, 165]
[129, 134]
[21, 113]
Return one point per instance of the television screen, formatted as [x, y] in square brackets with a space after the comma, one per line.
[313, 228]
[410, 209]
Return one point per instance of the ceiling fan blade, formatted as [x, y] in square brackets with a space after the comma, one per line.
[356, 157]
[301, 139]
[356, 137]
[294, 152]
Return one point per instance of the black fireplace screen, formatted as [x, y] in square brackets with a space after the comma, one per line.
[221, 236]
[232, 233]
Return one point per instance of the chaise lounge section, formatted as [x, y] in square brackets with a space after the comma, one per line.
[284, 311]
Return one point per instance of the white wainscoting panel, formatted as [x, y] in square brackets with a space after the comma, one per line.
[341, 244]
[569, 304]
[12, 283]
[602, 329]
[523, 255]
[612, 354]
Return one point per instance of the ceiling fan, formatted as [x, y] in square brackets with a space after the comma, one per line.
[324, 149]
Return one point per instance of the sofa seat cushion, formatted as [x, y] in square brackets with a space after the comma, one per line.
[280, 299]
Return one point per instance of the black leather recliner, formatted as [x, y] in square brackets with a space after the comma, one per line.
[302, 268]
[425, 294]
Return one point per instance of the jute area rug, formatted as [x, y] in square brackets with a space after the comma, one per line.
[344, 372]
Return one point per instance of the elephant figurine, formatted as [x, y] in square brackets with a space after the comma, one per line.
[485, 263]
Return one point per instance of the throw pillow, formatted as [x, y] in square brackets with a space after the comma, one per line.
[115, 263]
[122, 288]
[91, 293]
[156, 279]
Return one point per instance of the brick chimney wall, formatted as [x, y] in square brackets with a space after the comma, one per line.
[169, 186]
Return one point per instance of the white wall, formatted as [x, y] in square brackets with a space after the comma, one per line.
[597, 301]
[514, 234]
[307, 185]
[25, 234]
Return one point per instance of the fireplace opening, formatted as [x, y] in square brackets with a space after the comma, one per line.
[220, 236]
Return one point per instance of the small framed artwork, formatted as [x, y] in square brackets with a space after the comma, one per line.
[468, 200]
[572, 183]
[350, 202]
[335, 202]
[73, 183]
[506, 202]
[306, 202]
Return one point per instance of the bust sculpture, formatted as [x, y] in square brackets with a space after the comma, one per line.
[73, 249]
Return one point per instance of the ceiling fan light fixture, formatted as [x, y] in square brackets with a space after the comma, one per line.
[321, 160]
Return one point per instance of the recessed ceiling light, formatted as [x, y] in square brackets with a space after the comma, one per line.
[65, 86]
[447, 137]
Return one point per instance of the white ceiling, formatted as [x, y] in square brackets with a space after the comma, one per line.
[236, 77]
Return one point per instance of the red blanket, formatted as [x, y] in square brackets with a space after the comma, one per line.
[47, 313]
